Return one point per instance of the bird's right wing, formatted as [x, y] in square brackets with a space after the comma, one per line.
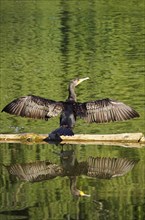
[107, 168]
[105, 110]
[34, 107]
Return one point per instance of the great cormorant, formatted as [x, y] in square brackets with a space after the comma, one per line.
[99, 111]
[93, 167]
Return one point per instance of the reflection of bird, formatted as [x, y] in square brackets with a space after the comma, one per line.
[102, 168]
[99, 167]
[99, 111]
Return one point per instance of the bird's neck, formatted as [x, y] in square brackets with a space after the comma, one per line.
[72, 95]
[73, 183]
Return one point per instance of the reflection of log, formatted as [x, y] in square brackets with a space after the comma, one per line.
[118, 138]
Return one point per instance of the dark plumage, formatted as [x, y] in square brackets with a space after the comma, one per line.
[107, 168]
[99, 111]
[102, 168]
[94, 167]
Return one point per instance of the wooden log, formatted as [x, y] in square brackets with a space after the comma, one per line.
[28, 137]
[77, 138]
[125, 137]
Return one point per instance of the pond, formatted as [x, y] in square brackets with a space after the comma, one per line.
[44, 45]
[42, 181]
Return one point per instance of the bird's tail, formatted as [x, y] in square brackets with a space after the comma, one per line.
[55, 135]
[63, 131]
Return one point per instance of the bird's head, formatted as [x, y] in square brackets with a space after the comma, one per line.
[82, 194]
[71, 88]
[74, 190]
[77, 81]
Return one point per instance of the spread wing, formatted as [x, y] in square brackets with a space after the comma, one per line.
[107, 168]
[105, 110]
[35, 171]
[34, 107]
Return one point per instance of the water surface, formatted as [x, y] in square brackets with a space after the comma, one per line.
[50, 197]
[45, 44]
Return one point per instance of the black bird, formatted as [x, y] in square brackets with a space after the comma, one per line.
[93, 167]
[99, 111]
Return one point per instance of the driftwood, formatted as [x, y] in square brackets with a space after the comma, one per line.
[124, 139]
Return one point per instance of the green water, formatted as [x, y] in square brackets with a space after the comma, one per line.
[45, 44]
[118, 198]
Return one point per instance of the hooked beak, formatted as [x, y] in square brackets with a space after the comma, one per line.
[82, 194]
[81, 80]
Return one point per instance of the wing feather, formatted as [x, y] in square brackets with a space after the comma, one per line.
[105, 110]
[107, 168]
[35, 171]
[34, 107]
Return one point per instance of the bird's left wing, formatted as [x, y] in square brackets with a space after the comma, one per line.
[35, 171]
[34, 107]
[105, 110]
